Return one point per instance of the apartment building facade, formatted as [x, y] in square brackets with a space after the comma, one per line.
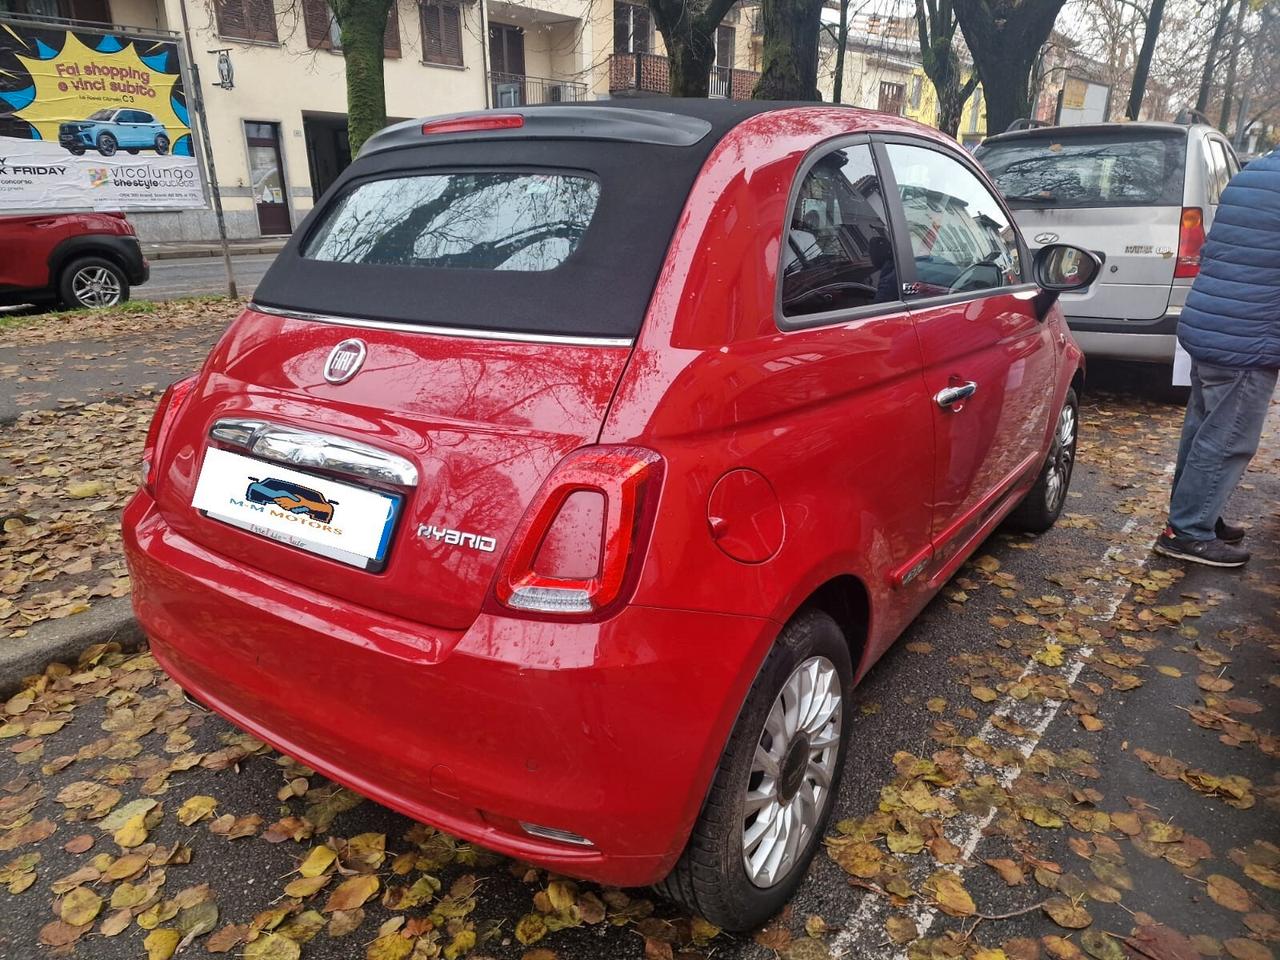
[273, 79]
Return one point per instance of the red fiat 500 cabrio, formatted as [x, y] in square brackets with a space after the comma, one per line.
[652, 426]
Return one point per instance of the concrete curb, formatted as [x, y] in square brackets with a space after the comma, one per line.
[64, 640]
[195, 253]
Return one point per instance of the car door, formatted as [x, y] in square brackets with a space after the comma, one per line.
[133, 132]
[988, 357]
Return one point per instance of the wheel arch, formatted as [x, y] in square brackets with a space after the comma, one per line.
[846, 600]
[106, 246]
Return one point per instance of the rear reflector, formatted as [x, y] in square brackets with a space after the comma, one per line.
[1190, 240]
[577, 551]
[494, 121]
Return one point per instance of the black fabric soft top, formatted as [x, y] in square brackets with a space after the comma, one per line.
[601, 290]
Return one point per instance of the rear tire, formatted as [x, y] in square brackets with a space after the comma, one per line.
[162, 144]
[1041, 507]
[808, 670]
[92, 282]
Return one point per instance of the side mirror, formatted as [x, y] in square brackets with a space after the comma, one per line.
[1060, 266]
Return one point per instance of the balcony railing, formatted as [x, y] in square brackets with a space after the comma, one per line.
[647, 73]
[515, 90]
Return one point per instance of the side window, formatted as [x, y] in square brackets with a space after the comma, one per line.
[1221, 168]
[838, 254]
[961, 238]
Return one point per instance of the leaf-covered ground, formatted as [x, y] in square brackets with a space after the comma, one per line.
[1073, 752]
[69, 457]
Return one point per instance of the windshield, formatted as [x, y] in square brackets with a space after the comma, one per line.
[1103, 170]
[471, 221]
[102, 115]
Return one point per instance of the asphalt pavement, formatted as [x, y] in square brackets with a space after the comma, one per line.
[202, 277]
[1132, 615]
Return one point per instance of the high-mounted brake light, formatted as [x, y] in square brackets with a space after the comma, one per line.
[167, 409]
[577, 551]
[493, 121]
[1190, 240]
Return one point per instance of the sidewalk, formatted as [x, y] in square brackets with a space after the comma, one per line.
[189, 249]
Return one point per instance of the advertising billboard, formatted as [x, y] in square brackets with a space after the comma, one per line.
[93, 120]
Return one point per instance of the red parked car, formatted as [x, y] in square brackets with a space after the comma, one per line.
[72, 259]
[650, 426]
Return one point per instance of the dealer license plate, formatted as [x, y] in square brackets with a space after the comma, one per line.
[341, 521]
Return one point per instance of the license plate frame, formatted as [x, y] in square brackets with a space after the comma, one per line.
[301, 527]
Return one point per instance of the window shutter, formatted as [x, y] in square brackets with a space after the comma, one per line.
[451, 33]
[441, 33]
[315, 15]
[261, 15]
[391, 37]
[232, 21]
[429, 14]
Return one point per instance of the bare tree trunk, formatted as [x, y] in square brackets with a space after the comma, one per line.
[363, 24]
[1211, 59]
[1237, 41]
[1005, 37]
[688, 29]
[790, 61]
[1142, 69]
[842, 40]
[936, 26]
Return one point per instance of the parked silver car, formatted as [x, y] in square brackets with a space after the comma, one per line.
[1140, 195]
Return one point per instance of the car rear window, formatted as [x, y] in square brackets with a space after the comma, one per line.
[1100, 170]
[510, 236]
[499, 220]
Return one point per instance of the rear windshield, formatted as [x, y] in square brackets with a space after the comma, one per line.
[461, 221]
[1104, 170]
[521, 235]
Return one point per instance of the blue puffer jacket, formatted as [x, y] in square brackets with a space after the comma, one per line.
[1232, 316]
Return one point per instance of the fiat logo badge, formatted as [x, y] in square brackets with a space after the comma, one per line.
[345, 361]
[1046, 238]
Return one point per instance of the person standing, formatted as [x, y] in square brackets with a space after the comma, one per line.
[1231, 328]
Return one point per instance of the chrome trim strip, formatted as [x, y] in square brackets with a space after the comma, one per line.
[304, 448]
[469, 333]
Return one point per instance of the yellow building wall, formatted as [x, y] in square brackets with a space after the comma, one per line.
[973, 120]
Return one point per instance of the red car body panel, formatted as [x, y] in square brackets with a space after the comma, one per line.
[33, 247]
[793, 458]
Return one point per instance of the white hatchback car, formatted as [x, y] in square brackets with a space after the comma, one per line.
[1141, 196]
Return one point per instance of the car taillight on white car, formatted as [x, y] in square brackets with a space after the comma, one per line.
[171, 402]
[1190, 240]
[578, 549]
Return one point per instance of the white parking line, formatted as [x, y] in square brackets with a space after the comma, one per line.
[863, 933]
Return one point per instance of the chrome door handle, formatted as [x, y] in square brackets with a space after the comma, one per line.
[952, 395]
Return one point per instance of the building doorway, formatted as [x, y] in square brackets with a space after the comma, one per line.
[267, 179]
[328, 150]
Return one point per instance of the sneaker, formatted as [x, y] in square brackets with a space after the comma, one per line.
[1228, 533]
[1212, 553]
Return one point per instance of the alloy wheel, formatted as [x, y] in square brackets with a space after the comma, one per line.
[1061, 459]
[789, 787]
[95, 287]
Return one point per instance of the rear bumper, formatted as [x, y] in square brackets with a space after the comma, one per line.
[610, 731]
[1150, 341]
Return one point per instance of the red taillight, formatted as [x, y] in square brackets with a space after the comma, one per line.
[171, 402]
[577, 551]
[492, 121]
[1190, 240]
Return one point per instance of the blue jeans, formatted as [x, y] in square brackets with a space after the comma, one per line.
[1219, 437]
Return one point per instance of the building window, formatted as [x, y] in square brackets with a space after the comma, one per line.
[93, 11]
[724, 46]
[891, 96]
[323, 32]
[917, 90]
[632, 28]
[246, 20]
[441, 33]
